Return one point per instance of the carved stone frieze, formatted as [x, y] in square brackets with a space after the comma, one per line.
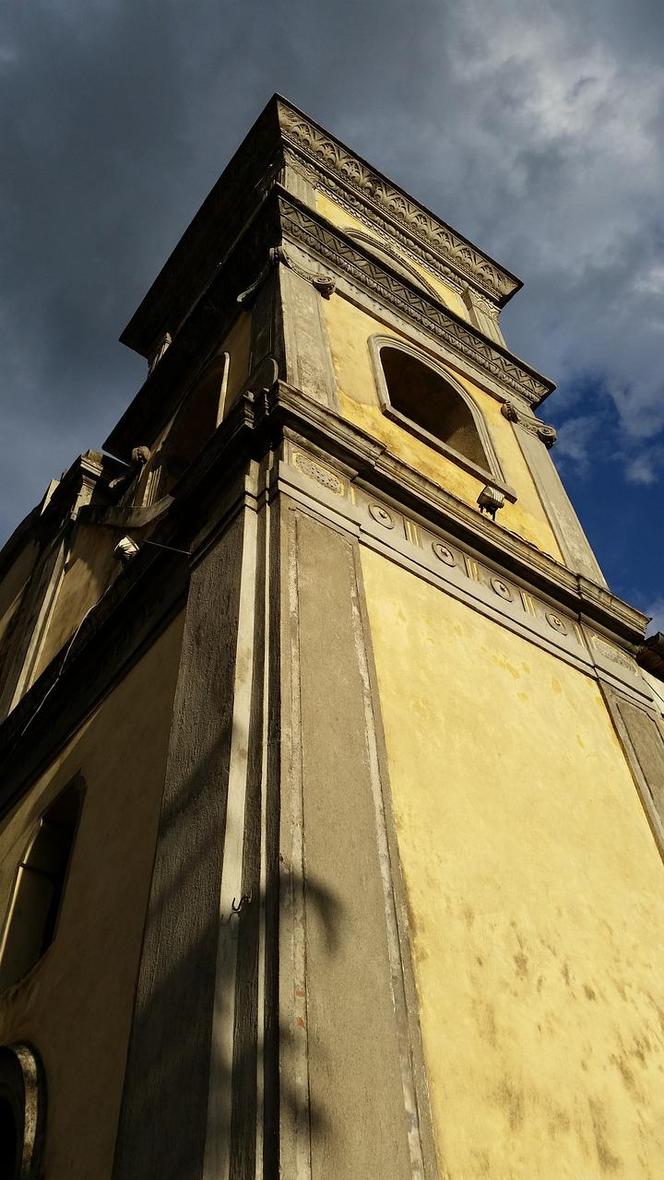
[388, 230]
[314, 470]
[519, 599]
[612, 653]
[465, 572]
[414, 305]
[547, 434]
[485, 305]
[374, 191]
[556, 622]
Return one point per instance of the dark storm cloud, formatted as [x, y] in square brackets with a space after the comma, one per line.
[535, 128]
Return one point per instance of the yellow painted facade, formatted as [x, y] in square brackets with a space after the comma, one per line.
[536, 896]
[76, 1004]
[90, 567]
[349, 331]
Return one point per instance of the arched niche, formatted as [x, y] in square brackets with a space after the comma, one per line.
[199, 415]
[423, 398]
[39, 885]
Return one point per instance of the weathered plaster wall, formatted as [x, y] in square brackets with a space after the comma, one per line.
[75, 1006]
[89, 569]
[350, 330]
[536, 896]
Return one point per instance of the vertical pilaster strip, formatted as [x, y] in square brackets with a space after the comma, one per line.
[236, 895]
[272, 868]
[162, 1127]
[308, 359]
[294, 1112]
[567, 530]
[337, 995]
[264, 998]
[642, 740]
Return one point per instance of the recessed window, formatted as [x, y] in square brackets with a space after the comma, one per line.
[195, 423]
[433, 406]
[424, 397]
[38, 888]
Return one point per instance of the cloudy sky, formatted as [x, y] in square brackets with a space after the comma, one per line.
[535, 129]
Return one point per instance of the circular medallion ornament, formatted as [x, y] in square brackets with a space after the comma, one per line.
[443, 553]
[502, 590]
[381, 515]
[556, 623]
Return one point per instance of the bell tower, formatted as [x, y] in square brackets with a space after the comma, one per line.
[369, 779]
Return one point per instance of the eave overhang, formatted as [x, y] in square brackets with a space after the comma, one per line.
[284, 134]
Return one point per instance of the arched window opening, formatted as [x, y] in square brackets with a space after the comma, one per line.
[195, 422]
[38, 888]
[432, 407]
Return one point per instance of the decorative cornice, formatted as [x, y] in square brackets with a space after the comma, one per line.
[340, 252]
[387, 231]
[343, 168]
[531, 424]
[377, 468]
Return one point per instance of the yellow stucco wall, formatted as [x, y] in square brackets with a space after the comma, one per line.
[536, 895]
[349, 331]
[75, 1006]
[90, 567]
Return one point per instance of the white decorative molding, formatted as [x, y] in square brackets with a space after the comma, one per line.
[413, 304]
[375, 192]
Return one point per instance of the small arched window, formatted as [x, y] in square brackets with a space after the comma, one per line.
[430, 404]
[196, 420]
[39, 887]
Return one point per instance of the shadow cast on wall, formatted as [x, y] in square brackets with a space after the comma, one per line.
[207, 1005]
